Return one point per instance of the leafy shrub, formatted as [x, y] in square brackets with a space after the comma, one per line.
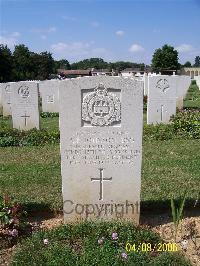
[33, 137]
[47, 114]
[193, 82]
[12, 221]
[186, 124]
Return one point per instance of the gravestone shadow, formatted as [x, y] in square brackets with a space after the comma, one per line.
[154, 213]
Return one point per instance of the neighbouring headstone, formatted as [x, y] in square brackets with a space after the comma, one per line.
[101, 120]
[25, 112]
[50, 95]
[197, 78]
[161, 103]
[182, 86]
[6, 98]
[146, 83]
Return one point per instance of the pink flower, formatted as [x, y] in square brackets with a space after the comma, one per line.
[13, 233]
[124, 255]
[46, 241]
[114, 236]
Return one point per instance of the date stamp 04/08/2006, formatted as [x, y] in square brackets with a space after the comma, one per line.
[148, 247]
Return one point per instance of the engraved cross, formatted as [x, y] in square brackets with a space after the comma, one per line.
[25, 118]
[101, 179]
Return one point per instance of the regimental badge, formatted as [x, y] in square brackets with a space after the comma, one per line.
[23, 91]
[100, 107]
[163, 85]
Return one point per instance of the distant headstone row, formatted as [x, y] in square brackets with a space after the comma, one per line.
[20, 99]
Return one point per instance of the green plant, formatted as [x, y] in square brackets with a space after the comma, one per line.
[186, 124]
[11, 212]
[177, 212]
[47, 114]
[93, 243]
[33, 137]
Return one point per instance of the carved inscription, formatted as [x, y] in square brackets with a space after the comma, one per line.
[94, 149]
[50, 98]
[23, 91]
[163, 85]
[100, 107]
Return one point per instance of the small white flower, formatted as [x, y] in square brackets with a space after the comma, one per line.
[46, 241]
[184, 244]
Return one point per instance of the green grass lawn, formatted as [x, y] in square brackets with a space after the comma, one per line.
[32, 174]
[49, 123]
[192, 99]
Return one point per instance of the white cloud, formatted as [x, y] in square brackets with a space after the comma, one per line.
[43, 37]
[156, 31]
[10, 39]
[44, 31]
[15, 34]
[51, 29]
[119, 33]
[135, 48]
[184, 48]
[95, 24]
[69, 18]
[77, 50]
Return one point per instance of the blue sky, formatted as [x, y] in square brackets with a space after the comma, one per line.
[128, 30]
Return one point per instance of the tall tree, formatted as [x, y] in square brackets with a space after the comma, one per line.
[22, 62]
[197, 61]
[97, 63]
[6, 63]
[61, 64]
[46, 65]
[165, 58]
[187, 64]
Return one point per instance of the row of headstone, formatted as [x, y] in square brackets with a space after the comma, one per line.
[165, 94]
[20, 100]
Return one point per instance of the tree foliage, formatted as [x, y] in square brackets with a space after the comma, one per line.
[165, 58]
[24, 64]
[6, 63]
[187, 64]
[97, 63]
[197, 61]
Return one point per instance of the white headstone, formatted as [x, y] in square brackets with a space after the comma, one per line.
[50, 95]
[25, 112]
[197, 78]
[161, 103]
[182, 86]
[146, 83]
[101, 147]
[6, 98]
